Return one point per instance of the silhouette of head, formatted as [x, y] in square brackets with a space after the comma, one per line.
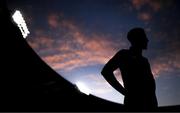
[137, 38]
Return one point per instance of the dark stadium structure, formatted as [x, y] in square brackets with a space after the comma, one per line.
[29, 84]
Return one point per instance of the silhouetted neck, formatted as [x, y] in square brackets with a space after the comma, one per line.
[135, 51]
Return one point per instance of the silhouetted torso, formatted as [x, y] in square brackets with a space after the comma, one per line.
[138, 80]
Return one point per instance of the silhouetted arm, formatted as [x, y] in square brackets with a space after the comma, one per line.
[108, 74]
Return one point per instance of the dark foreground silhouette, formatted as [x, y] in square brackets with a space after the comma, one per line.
[29, 84]
[139, 84]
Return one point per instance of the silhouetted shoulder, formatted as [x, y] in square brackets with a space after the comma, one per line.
[123, 52]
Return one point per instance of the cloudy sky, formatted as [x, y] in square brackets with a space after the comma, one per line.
[77, 37]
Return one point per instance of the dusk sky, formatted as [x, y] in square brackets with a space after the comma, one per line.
[77, 37]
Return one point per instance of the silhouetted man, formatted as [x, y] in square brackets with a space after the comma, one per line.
[139, 84]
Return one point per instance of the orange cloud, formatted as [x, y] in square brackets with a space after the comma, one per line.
[73, 49]
[53, 20]
[138, 3]
[54, 58]
[89, 50]
[33, 45]
[145, 16]
[154, 5]
[40, 42]
[160, 68]
[167, 63]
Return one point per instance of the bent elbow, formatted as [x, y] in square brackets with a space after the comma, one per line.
[103, 72]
